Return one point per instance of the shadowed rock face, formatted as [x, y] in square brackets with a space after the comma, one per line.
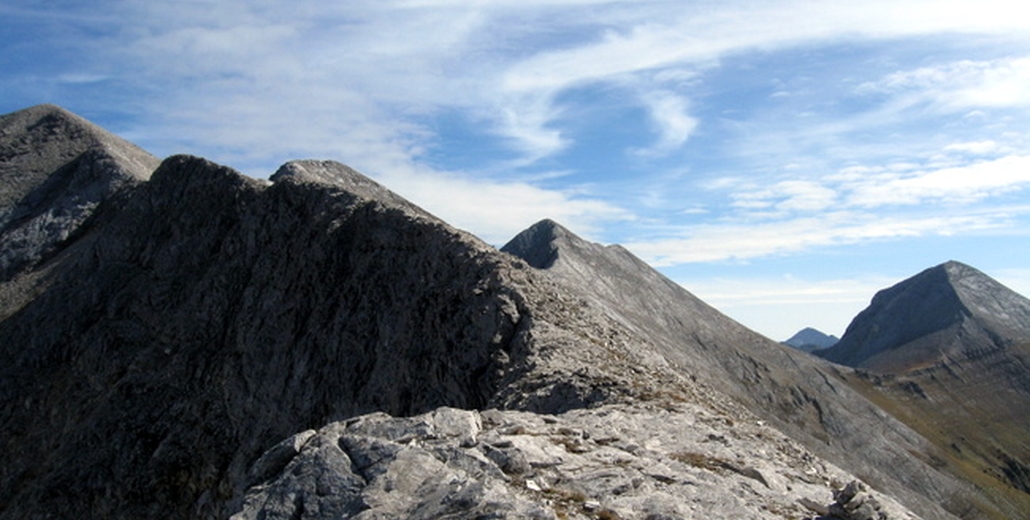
[204, 316]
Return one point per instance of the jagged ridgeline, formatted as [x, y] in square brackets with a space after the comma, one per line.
[193, 343]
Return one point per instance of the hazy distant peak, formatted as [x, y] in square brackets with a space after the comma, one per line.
[809, 339]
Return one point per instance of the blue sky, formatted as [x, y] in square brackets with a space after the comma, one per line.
[783, 160]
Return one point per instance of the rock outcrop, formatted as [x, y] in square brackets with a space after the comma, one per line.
[614, 461]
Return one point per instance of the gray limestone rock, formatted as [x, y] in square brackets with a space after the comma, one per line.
[950, 347]
[951, 312]
[613, 461]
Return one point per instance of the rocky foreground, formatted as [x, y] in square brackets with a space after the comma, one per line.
[656, 461]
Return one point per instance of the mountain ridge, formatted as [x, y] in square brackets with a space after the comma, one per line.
[57, 167]
[789, 388]
[951, 342]
[209, 345]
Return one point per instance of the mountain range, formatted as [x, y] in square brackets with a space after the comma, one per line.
[178, 340]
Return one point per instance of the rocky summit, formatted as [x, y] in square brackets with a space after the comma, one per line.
[194, 343]
[951, 312]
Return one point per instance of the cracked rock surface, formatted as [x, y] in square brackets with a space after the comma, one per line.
[665, 460]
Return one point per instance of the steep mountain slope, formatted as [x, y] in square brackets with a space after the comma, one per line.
[950, 312]
[800, 394]
[809, 339]
[203, 316]
[948, 351]
[56, 168]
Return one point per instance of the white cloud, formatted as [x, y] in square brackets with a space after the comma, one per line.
[984, 147]
[857, 205]
[670, 115]
[715, 242]
[957, 185]
[497, 211]
[895, 184]
[695, 37]
[788, 196]
[963, 84]
[255, 84]
[781, 306]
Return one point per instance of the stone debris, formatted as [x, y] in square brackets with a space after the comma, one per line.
[852, 502]
[613, 461]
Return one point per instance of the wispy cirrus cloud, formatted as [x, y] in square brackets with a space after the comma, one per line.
[962, 84]
[956, 185]
[718, 242]
[853, 206]
[253, 84]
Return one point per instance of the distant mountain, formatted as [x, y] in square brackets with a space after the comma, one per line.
[809, 339]
[948, 313]
[948, 350]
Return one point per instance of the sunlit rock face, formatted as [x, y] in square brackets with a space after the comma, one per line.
[56, 168]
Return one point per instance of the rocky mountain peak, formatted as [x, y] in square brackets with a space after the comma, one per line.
[539, 244]
[56, 169]
[951, 346]
[949, 311]
[341, 177]
[208, 344]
